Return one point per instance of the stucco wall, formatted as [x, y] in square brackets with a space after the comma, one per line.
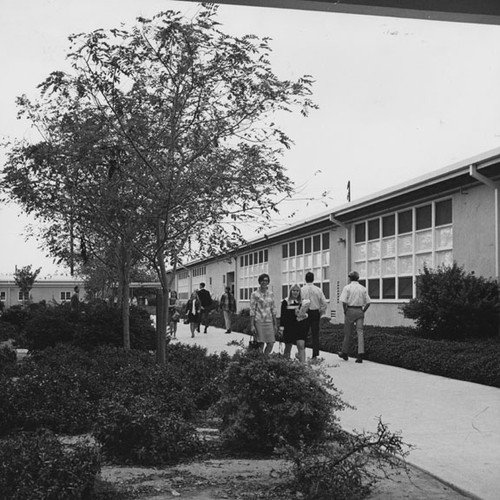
[474, 230]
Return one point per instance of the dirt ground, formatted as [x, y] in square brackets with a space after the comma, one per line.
[245, 479]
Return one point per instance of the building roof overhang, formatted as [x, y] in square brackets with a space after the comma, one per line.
[466, 11]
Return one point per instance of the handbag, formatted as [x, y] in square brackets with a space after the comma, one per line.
[176, 316]
[253, 345]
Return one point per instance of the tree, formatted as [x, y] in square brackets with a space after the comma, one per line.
[25, 279]
[165, 136]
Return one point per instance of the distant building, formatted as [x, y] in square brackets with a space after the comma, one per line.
[56, 289]
[449, 215]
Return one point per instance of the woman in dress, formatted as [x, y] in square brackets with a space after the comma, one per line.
[263, 323]
[174, 309]
[193, 311]
[293, 329]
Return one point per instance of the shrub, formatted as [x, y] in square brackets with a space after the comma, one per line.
[8, 361]
[37, 466]
[142, 430]
[96, 324]
[268, 399]
[451, 302]
[199, 372]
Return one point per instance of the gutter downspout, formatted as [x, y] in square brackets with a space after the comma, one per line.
[347, 229]
[495, 185]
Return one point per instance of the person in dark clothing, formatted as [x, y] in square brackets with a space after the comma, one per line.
[75, 300]
[206, 302]
[294, 332]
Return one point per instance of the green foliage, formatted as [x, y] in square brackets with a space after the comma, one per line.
[8, 361]
[472, 360]
[347, 466]
[269, 399]
[141, 429]
[199, 371]
[25, 278]
[97, 323]
[451, 303]
[17, 315]
[61, 388]
[38, 467]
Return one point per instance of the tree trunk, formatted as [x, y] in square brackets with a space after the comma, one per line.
[126, 315]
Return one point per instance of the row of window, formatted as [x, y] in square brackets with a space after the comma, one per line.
[390, 251]
[64, 296]
[254, 258]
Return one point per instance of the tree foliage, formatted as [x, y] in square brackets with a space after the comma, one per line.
[161, 142]
[25, 279]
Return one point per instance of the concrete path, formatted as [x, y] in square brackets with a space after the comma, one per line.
[454, 425]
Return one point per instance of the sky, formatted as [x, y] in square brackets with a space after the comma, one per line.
[397, 98]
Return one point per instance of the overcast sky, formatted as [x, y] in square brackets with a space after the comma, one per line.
[398, 97]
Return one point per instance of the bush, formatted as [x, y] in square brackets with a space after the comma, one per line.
[96, 324]
[200, 373]
[142, 430]
[269, 399]
[38, 467]
[451, 302]
[8, 361]
[472, 360]
[60, 388]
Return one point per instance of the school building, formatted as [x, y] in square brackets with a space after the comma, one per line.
[53, 289]
[449, 215]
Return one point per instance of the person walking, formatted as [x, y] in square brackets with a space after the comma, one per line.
[263, 324]
[174, 313]
[355, 301]
[206, 302]
[293, 329]
[74, 302]
[193, 311]
[317, 307]
[228, 306]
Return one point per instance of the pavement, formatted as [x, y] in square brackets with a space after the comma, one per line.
[453, 425]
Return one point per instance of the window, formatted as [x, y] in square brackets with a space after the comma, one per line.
[303, 255]
[252, 265]
[2, 296]
[359, 232]
[65, 296]
[405, 224]
[390, 251]
[374, 229]
[23, 297]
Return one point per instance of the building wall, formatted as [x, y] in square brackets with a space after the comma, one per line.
[473, 232]
[451, 226]
[47, 291]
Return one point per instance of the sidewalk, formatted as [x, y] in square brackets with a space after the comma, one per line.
[454, 425]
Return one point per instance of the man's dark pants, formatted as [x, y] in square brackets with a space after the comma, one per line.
[313, 324]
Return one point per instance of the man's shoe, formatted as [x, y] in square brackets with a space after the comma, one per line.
[227, 331]
[344, 356]
[205, 331]
[359, 360]
[198, 329]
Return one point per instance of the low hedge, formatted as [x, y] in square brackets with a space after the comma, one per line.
[472, 361]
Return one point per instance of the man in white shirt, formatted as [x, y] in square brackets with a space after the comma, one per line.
[355, 301]
[317, 307]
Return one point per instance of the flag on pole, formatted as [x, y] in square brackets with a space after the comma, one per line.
[348, 190]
